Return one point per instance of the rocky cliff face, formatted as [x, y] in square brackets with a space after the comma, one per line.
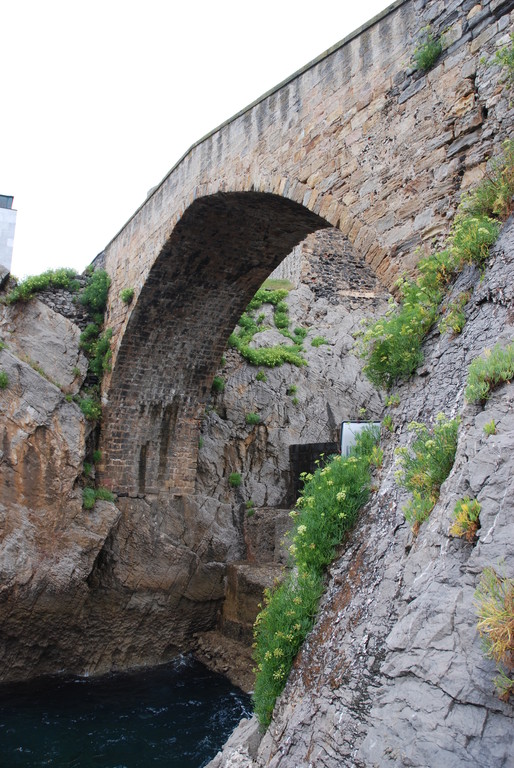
[393, 672]
[131, 583]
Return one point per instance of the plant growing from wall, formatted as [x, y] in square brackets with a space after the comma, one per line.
[90, 406]
[428, 50]
[234, 480]
[318, 341]
[94, 295]
[252, 418]
[261, 376]
[218, 384]
[126, 295]
[91, 495]
[454, 317]
[490, 428]
[493, 196]
[466, 518]
[387, 423]
[425, 465]
[485, 373]
[326, 510]
[494, 601]
[505, 59]
[4, 380]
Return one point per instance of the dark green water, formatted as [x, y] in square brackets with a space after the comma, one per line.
[176, 716]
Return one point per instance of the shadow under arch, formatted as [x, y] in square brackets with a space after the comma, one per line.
[220, 252]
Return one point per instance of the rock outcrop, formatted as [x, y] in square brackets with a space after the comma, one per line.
[137, 581]
[393, 672]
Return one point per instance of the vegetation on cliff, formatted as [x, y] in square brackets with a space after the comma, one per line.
[326, 509]
[425, 465]
[391, 346]
[249, 324]
[494, 600]
[52, 278]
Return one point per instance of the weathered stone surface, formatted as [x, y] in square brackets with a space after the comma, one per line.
[329, 390]
[47, 340]
[240, 748]
[393, 672]
[354, 141]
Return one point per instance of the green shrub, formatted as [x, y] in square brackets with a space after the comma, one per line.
[261, 376]
[494, 601]
[4, 380]
[88, 498]
[428, 51]
[248, 326]
[329, 503]
[392, 401]
[97, 457]
[280, 629]
[295, 401]
[472, 237]
[317, 341]
[252, 418]
[377, 456]
[425, 465]
[454, 318]
[88, 338]
[270, 357]
[493, 196]
[100, 362]
[104, 494]
[234, 480]
[281, 320]
[52, 278]
[87, 468]
[90, 495]
[90, 407]
[387, 423]
[505, 59]
[94, 295]
[392, 346]
[300, 333]
[486, 373]
[126, 295]
[218, 384]
[325, 511]
[490, 428]
[292, 389]
[466, 514]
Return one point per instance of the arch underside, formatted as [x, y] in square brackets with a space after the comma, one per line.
[220, 252]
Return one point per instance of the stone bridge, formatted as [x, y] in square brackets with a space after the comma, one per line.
[358, 140]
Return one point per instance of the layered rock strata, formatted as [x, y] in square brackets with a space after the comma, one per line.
[393, 672]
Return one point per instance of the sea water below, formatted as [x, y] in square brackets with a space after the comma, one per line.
[173, 716]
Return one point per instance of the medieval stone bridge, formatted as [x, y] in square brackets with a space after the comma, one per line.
[357, 140]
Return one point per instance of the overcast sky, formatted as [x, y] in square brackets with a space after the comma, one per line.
[100, 98]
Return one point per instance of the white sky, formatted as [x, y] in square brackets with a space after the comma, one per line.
[100, 98]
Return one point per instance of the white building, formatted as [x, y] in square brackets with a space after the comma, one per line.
[7, 226]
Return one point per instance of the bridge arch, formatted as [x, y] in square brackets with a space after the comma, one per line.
[218, 254]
